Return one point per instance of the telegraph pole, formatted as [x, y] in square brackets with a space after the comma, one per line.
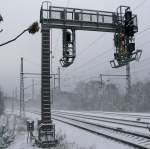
[101, 80]
[13, 97]
[33, 89]
[128, 79]
[128, 88]
[22, 106]
[16, 96]
[59, 78]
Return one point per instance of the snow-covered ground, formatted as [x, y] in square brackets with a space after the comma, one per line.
[85, 139]
[77, 138]
[118, 116]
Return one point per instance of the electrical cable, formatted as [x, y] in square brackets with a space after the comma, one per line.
[91, 44]
[102, 53]
[14, 38]
[93, 58]
[139, 5]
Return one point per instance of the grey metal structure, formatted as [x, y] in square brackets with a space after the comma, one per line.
[46, 129]
[124, 40]
[128, 86]
[69, 48]
[93, 20]
[109, 75]
[77, 19]
[69, 20]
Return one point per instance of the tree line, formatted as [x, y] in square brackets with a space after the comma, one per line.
[108, 97]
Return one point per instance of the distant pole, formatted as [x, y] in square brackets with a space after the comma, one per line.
[59, 78]
[22, 105]
[33, 89]
[101, 80]
[16, 97]
[102, 92]
[54, 83]
[128, 78]
[16, 94]
[13, 97]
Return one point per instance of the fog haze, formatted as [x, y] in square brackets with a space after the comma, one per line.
[18, 15]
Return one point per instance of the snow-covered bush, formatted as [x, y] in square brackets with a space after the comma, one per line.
[7, 131]
[6, 137]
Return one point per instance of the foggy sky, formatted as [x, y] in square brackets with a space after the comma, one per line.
[19, 14]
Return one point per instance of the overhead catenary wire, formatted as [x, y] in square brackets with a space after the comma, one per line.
[79, 67]
[14, 38]
[85, 64]
[141, 70]
[31, 62]
[101, 36]
[90, 60]
[91, 44]
[148, 42]
[68, 2]
[143, 31]
[140, 5]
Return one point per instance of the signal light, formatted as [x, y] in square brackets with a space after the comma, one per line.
[129, 24]
[68, 36]
[131, 47]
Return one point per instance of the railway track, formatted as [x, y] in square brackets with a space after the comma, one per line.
[138, 140]
[133, 115]
[113, 120]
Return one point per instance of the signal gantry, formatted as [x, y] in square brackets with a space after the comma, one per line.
[122, 23]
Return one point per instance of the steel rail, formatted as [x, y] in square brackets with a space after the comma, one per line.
[107, 132]
[126, 115]
[110, 131]
[104, 126]
[108, 119]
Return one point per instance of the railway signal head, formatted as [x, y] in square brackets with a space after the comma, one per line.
[68, 36]
[129, 23]
[126, 25]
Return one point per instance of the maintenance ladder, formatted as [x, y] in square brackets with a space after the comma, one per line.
[46, 129]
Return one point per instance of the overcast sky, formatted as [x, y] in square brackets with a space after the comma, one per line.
[19, 14]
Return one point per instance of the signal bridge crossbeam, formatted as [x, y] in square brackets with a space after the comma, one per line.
[78, 19]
